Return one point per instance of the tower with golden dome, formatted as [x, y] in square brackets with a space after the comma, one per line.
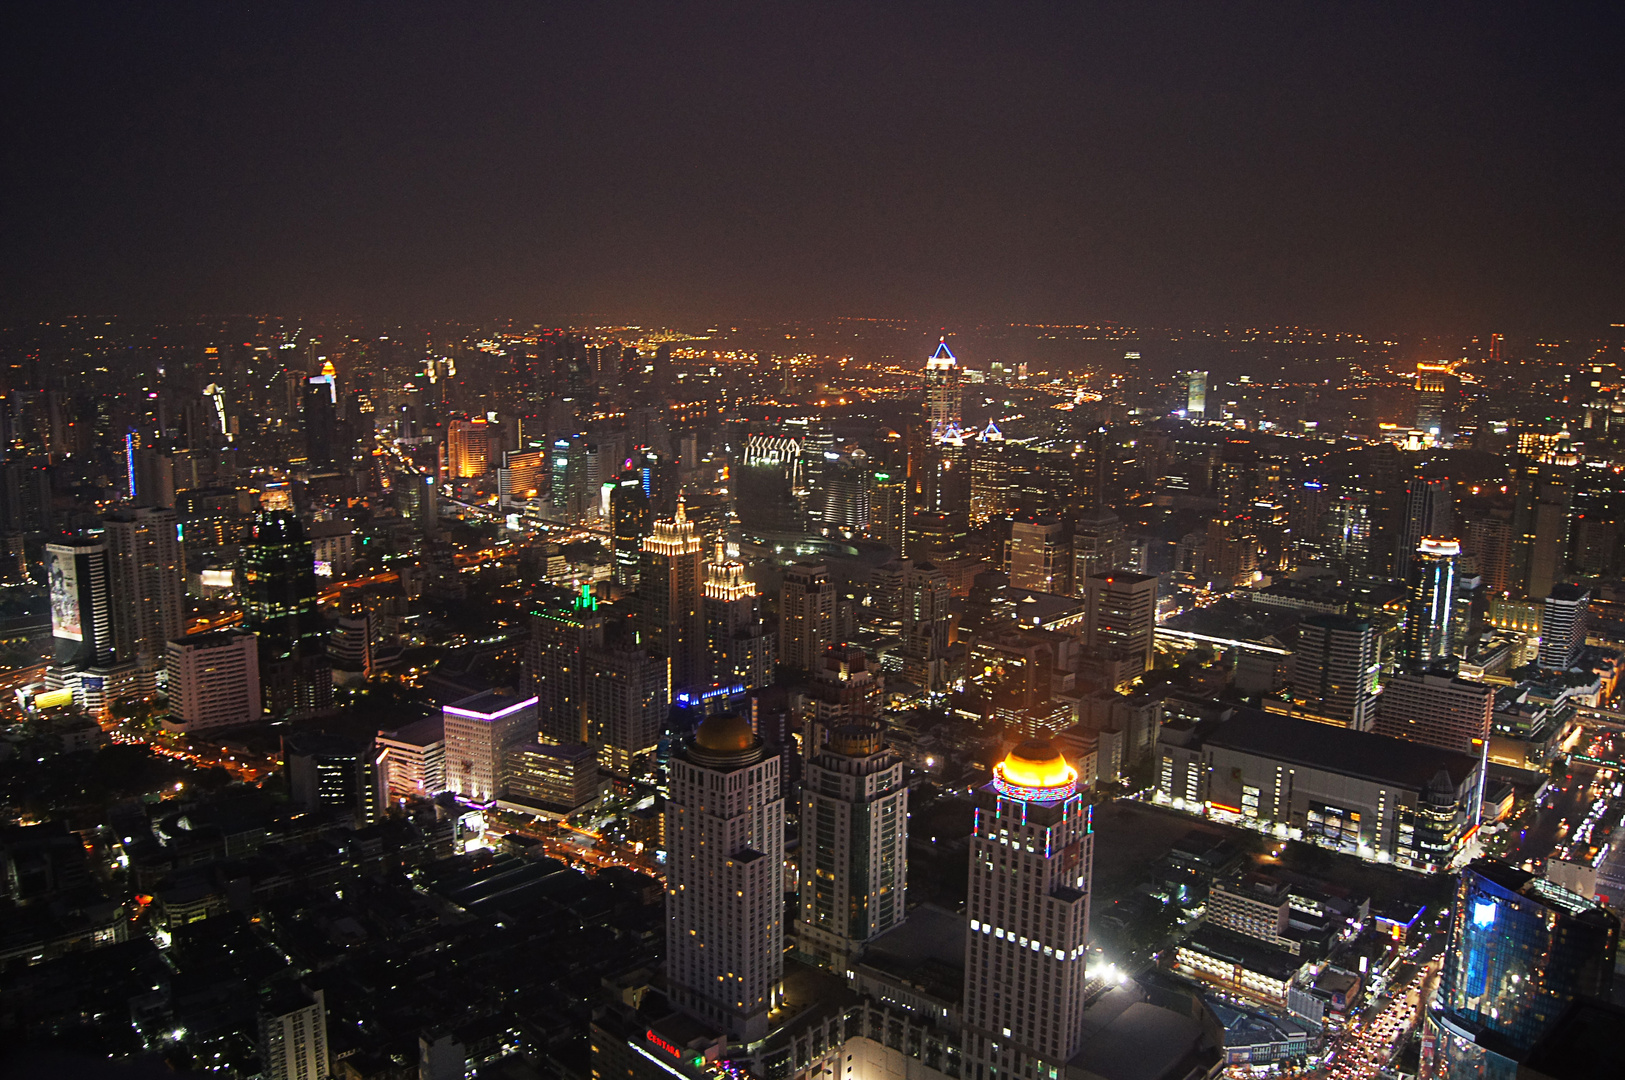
[724, 879]
[1031, 863]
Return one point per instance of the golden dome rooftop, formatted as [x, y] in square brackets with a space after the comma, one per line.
[1035, 770]
[725, 741]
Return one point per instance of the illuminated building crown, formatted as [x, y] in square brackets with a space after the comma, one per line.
[1035, 772]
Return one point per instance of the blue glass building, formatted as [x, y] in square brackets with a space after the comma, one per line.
[1521, 950]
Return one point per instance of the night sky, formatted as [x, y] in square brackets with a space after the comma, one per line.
[1375, 167]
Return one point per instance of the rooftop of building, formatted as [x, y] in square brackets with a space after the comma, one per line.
[1127, 1038]
[1251, 954]
[1337, 750]
[490, 703]
[424, 732]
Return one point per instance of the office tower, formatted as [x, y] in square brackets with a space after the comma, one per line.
[293, 1035]
[1120, 612]
[469, 448]
[1031, 860]
[854, 844]
[1520, 950]
[213, 681]
[942, 392]
[554, 777]
[806, 615]
[1334, 671]
[626, 700]
[843, 493]
[321, 419]
[412, 760]
[1195, 394]
[479, 729]
[1437, 709]
[989, 477]
[81, 604]
[671, 618]
[332, 773]
[1488, 540]
[1565, 618]
[149, 589]
[630, 520]
[1038, 555]
[1099, 546]
[1540, 526]
[933, 533]
[1429, 511]
[574, 485]
[349, 647]
[843, 692]
[523, 476]
[555, 665]
[277, 583]
[888, 509]
[1430, 611]
[725, 879]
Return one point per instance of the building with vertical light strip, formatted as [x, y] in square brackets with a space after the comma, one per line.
[725, 880]
[854, 844]
[1031, 859]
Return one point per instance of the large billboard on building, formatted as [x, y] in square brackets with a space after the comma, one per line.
[62, 570]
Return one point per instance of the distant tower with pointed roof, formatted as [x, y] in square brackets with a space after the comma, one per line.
[942, 393]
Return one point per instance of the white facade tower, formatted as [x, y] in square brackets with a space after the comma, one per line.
[725, 880]
[1031, 862]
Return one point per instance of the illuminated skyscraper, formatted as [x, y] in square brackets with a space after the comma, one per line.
[671, 618]
[626, 701]
[1039, 555]
[81, 603]
[806, 615]
[1099, 546]
[1121, 613]
[1565, 617]
[1429, 511]
[468, 448]
[1334, 671]
[555, 663]
[1521, 949]
[942, 392]
[320, 408]
[854, 843]
[1430, 613]
[1031, 862]
[630, 520]
[888, 509]
[1195, 394]
[149, 590]
[725, 879]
